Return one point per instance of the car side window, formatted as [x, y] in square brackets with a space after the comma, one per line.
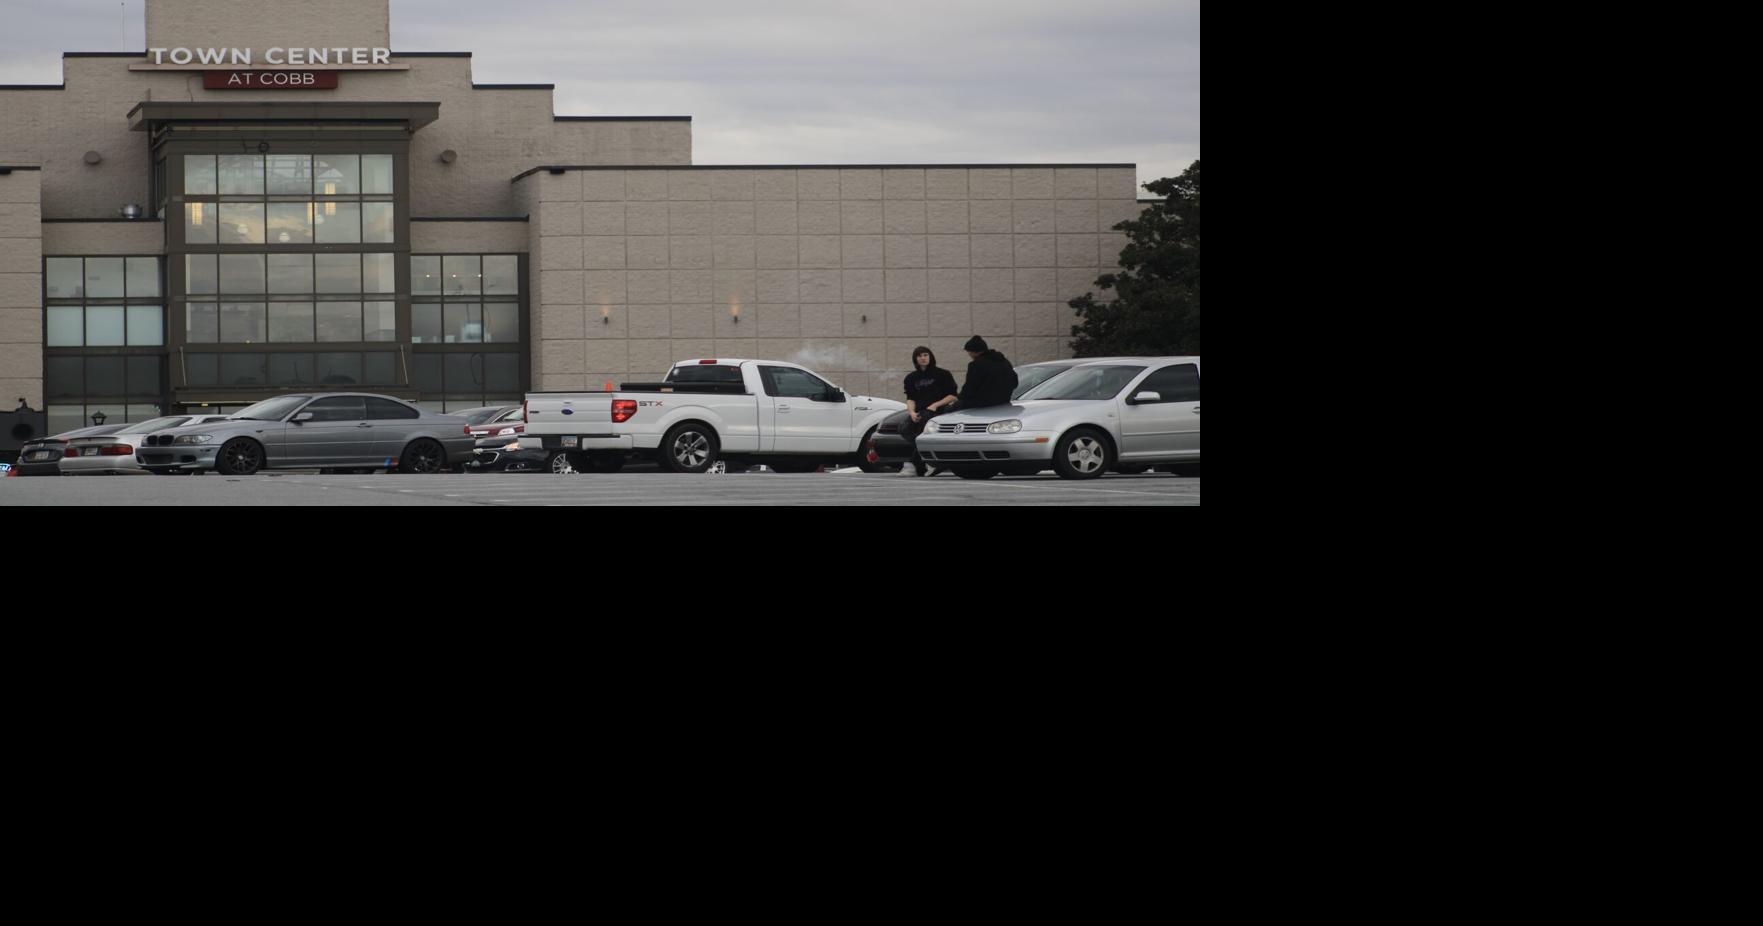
[337, 408]
[385, 409]
[791, 383]
[1179, 383]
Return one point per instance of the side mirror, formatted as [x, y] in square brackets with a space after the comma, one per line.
[302, 418]
[1146, 398]
[834, 395]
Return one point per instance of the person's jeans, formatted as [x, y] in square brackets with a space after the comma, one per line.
[911, 429]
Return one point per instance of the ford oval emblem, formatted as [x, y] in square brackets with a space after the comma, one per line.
[569, 411]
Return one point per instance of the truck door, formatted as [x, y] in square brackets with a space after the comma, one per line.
[802, 417]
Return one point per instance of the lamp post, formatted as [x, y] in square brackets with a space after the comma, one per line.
[98, 418]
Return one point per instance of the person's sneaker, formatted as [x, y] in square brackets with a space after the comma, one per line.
[931, 471]
[908, 470]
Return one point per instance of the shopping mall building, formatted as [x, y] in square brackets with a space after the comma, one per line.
[270, 199]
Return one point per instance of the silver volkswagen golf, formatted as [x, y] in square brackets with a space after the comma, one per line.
[313, 432]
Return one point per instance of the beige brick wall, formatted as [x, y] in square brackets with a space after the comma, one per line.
[467, 237]
[21, 288]
[496, 133]
[232, 24]
[89, 238]
[844, 270]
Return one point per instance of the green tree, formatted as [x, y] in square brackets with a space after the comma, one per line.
[1156, 306]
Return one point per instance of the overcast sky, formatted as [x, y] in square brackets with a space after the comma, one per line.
[794, 81]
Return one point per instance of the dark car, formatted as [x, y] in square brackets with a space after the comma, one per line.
[43, 457]
[892, 451]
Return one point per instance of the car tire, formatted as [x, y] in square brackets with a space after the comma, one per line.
[1083, 453]
[976, 473]
[689, 448]
[863, 456]
[240, 456]
[560, 464]
[422, 457]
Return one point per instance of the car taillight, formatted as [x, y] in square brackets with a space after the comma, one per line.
[520, 429]
[623, 409]
[872, 457]
[468, 430]
[706, 363]
[71, 452]
[117, 450]
[523, 414]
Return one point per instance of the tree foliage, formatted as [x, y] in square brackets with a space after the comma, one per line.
[1155, 309]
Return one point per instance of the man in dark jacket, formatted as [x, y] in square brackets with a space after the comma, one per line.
[929, 390]
[990, 378]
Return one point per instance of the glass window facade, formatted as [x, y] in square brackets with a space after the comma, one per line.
[465, 312]
[103, 302]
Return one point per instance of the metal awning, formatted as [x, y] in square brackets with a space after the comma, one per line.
[412, 116]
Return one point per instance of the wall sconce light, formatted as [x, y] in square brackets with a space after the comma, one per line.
[93, 157]
[863, 319]
[605, 315]
[449, 156]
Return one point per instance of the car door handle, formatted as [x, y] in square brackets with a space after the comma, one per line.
[783, 408]
[1196, 409]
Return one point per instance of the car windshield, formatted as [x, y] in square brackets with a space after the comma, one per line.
[1089, 383]
[1031, 376]
[157, 424]
[481, 415]
[271, 409]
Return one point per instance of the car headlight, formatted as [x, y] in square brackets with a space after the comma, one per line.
[1004, 427]
[188, 439]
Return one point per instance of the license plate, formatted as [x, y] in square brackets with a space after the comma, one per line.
[571, 442]
[38, 456]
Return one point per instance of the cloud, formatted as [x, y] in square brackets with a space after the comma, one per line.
[791, 81]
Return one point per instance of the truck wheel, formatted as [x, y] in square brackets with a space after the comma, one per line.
[689, 448]
[560, 463]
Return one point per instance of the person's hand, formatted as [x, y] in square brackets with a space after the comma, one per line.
[915, 418]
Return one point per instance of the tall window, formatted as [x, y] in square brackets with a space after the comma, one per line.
[289, 273]
[104, 339]
[465, 312]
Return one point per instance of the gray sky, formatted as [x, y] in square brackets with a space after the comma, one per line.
[795, 81]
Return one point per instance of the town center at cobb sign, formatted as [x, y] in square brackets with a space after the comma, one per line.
[274, 57]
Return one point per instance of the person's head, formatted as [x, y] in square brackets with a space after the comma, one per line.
[975, 346]
[922, 358]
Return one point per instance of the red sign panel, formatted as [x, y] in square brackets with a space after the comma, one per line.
[269, 80]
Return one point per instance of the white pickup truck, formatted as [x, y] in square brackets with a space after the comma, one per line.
[740, 411]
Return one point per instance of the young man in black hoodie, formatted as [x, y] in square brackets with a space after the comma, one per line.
[990, 378]
[929, 390]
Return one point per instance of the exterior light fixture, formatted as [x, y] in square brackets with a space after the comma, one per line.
[98, 418]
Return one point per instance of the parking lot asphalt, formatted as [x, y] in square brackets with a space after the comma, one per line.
[544, 489]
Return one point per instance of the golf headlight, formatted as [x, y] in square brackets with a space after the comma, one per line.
[185, 440]
[1004, 427]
